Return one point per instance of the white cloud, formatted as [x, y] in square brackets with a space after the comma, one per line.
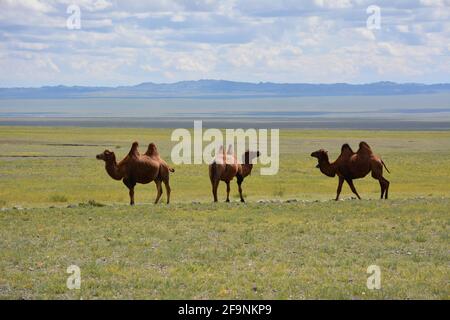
[333, 4]
[26, 5]
[365, 33]
[253, 40]
[435, 3]
[403, 28]
[148, 68]
[89, 5]
[45, 63]
[31, 45]
[178, 18]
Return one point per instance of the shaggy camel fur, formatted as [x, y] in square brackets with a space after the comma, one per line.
[350, 165]
[226, 167]
[136, 168]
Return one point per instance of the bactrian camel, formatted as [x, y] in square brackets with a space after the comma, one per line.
[226, 167]
[350, 165]
[136, 168]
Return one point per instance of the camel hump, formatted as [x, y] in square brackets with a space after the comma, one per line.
[134, 149]
[364, 146]
[346, 151]
[152, 150]
[220, 156]
[364, 149]
[346, 148]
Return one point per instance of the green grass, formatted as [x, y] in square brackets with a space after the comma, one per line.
[210, 251]
[196, 249]
[58, 198]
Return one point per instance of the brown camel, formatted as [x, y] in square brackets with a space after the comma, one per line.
[226, 167]
[136, 168]
[350, 165]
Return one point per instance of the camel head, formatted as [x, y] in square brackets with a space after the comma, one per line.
[321, 155]
[249, 156]
[106, 156]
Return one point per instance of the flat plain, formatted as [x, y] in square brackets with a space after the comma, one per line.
[289, 241]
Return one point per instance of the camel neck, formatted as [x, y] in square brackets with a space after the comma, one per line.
[327, 168]
[113, 170]
[246, 169]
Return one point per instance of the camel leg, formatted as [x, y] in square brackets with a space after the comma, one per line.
[131, 196]
[130, 185]
[352, 186]
[240, 179]
[386, 187]
[228, 191]
[215, 185]
[159, 190]
[339, 188]
[383, 189]
[384, 184]
[168, 190]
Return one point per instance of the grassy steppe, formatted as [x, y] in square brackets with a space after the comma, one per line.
[419, 162]
[279, 250]
[252, 251]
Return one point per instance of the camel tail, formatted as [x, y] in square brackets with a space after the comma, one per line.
[171, 169]
[384, 165]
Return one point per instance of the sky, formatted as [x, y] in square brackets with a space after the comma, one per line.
[165, 41]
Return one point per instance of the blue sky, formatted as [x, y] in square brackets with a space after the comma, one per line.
[133, 41]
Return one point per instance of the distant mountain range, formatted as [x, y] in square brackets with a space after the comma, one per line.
[223, 89]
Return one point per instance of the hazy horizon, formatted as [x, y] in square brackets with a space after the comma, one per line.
[401, 112]
[228, 80]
